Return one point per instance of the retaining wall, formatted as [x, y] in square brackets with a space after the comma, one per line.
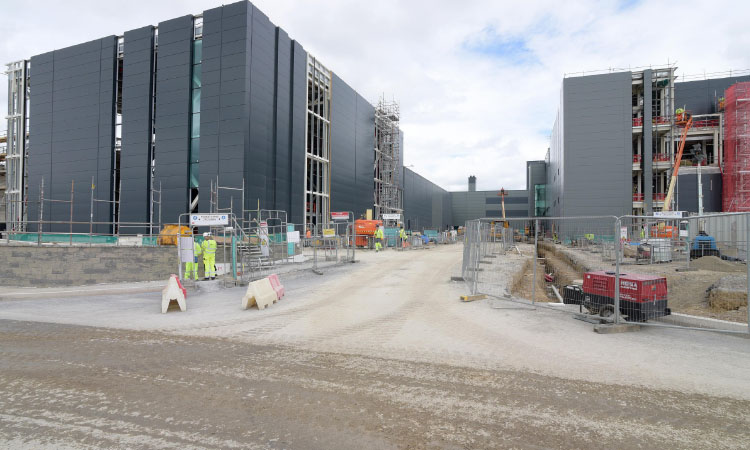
[76, 266]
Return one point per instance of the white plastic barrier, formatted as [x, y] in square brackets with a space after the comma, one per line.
[259, 293]
[173, 292]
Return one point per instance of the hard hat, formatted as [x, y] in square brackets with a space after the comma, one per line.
[206, 234]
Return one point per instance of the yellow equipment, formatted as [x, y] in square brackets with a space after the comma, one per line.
[502, 201]
[168, 234]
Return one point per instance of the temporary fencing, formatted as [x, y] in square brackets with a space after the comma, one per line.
[270, 245]
[615, 267]
[76, 220]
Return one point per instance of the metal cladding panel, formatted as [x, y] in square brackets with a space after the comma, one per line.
[424, 203]
[597, 161]
[687, 191]
[40, 129]
[135, 156]
[224, 101]
[297, 130]
[172, 120]
[555, 174]
[365, 154]
[282, 123]
[344, 190]
[259, 161]
[477, 204]
[702, 97]
[74, 89]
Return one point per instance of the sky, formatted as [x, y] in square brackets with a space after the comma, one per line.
[478, 82]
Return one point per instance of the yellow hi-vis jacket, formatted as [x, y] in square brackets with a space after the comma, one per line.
[209, 247]
[379, 234]
[402, 233]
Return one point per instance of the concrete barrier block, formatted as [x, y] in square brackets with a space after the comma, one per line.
[277, 286]
[259, 293]
[173, 292]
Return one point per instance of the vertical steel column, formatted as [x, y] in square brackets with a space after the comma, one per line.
[647, 136]
[536, 257]
[617, 270]
[476, 261]
[41, 213]
[70, 222]
[91, 212]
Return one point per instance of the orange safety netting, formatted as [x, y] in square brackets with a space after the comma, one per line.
[736, 175]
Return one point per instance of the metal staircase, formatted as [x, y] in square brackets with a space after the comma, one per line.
[251, 263]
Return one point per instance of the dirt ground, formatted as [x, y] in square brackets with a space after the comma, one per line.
[66, 386]
[378, 354]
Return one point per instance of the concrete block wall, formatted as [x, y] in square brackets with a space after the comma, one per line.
[76, 266]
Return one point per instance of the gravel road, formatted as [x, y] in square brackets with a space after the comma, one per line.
[378, 354]
[66, 386]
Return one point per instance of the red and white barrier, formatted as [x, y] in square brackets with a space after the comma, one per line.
[259, 293]
[276, 285]
[173, 292]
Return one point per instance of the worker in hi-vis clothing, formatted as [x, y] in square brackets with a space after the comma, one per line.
[402, 235]
[379, 239]
[209, 257]
[191, 268]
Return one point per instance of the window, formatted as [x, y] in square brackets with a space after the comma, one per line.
[195, 114]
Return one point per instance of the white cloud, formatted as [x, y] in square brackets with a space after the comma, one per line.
[464, 111]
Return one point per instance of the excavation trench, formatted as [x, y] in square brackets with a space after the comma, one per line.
[563, 271]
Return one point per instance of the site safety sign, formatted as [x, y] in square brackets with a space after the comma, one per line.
[199, 220]
[340, 215]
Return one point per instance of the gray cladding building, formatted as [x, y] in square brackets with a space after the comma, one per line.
[165, 114]
[615, 138]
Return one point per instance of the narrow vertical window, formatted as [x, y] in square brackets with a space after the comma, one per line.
[195, 112]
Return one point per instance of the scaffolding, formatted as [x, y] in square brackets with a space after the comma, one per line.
[388, 192]
[653, 138]
[736, 177]
[17, 135]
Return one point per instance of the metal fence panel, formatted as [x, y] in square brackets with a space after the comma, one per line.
[687, 272]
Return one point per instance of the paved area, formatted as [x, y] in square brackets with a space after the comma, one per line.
[378, 354]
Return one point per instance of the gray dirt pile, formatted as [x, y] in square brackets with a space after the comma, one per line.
[716, 264]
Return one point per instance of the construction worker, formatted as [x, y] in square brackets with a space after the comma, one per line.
[379, 239]
[681, 116]
[191, 268]
[402, 235]
[209, 257]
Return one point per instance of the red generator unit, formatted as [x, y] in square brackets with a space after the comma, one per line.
[642, 297]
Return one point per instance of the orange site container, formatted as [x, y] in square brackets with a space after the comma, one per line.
[365, 228]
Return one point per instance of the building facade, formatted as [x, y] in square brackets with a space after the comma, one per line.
[211, 112]
[615, 140]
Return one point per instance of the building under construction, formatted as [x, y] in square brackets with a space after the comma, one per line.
[218, 111]
[616, 138]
